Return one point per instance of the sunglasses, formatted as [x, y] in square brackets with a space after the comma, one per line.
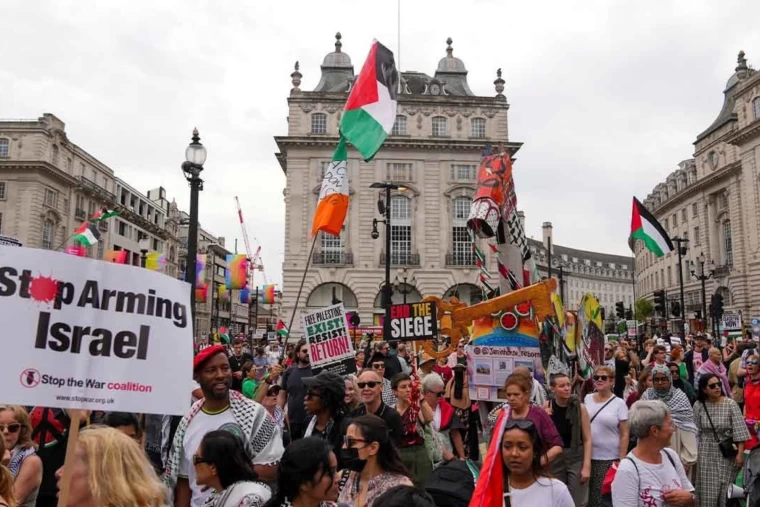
[12, 427]
[197, 460]
[349, 442]
[752, 362]
[273, 391]
[522, 424]
[602, 378]
[438, 394]
[713, 385]
[371, 384]
[378, 366]
[608, 350]
[313, 394]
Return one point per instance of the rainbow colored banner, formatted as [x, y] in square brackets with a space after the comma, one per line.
[155, 261]
[200, 271]
[245, 296]
[79, 251]
[117, 256]
[223, 294]
[236, 275]
[266, 294]
[201, 294]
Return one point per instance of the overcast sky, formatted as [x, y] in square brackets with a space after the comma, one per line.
[608, 96]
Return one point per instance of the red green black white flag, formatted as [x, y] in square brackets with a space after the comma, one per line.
[644, 226]
[103, 214]
[88, 234]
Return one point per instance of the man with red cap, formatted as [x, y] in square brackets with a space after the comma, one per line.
[220, 409]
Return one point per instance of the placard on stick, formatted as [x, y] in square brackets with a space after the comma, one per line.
[414, 321]
[330, 346]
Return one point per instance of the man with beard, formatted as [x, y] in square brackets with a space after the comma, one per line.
[294, 392]
[220, 409]
[237, 359]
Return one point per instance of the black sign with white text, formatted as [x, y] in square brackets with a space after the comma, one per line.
[413, 321]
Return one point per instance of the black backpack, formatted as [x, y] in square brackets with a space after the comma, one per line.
[452, 484]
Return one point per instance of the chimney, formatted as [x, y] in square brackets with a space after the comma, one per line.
[521, 219]
[547, 230]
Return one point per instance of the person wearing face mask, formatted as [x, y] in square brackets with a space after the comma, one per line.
[609, 429]
[372, 460]
[752, 398]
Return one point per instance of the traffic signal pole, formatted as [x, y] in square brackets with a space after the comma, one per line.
[681, 252]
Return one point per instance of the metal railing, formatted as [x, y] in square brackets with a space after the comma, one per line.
[402, 259]
[333, 258]
[96, 189]
[460, 259]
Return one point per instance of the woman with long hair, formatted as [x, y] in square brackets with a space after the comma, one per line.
[372, 460]
[25, 466]
[676, 356]
[6, 479]
[307, 475]
[644, 383]
[222, 465]
[413, 451]
[110, 469]
[719, 424]
[352, 399]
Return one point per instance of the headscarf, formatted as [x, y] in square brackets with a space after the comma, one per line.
[675, 399]
[719, 370]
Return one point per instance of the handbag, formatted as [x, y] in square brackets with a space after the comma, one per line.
[727, 447]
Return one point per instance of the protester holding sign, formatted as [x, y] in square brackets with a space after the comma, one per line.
[330, 345]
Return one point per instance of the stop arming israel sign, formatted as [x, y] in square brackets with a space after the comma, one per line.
[330, 347]
[414, 321]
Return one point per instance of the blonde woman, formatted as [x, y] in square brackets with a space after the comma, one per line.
[110, 469]
[6, 479]
[25, 466]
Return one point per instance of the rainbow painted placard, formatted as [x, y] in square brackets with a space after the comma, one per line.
[236, 276]
[200, 271]
[155, 261]
[201, 295]
[245, 296]
[223, 294]
[266, 294]
[117, 256]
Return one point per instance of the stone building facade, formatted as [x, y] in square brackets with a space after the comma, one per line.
[713, 201]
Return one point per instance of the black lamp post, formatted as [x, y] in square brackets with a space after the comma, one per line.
[387, 288]
[680, 244]
[703, 278]
[404, 288]
[144, 247]
[195, 157]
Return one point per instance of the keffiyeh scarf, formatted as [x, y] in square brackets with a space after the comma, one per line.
[676, 400]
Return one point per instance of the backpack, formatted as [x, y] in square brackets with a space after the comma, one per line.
[452, 484]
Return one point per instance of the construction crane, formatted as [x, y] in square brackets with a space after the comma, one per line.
[253, 258]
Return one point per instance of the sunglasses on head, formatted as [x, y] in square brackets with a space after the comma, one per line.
[522, 424]
[601, 377]
[12, 427]
[371, 384]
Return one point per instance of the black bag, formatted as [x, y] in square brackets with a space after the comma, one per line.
[727, 447]
[451, 484]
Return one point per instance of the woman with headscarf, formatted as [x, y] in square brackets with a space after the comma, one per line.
[684, 438]
[714, 365]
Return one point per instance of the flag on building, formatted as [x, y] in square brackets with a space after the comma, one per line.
[201, 293]
[103, 214]
[333, 197]
[371, 106]
[281, 329]
[155, 261]
[644, 226]
[200, 271]
[88, 234]
[222, 294]
[266, 294]
[236, 274]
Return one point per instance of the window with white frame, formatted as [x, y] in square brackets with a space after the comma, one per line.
[399, 171]
[4, 148]
[2, 190]
[756, 107]
[48, 234]
[319, 123]
[51, 198]
[399, 126]
[401, 230]
[439, 126]
[461, 244]
[727, 244]
[332, 248]
[464, 172]
[478, 127]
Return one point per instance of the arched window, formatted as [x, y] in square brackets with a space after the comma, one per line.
[465, 292]
[478, 127]
[440, 127]
[48, 234]
[401, 230]
[399, 127]
[756, 107]
[727, 244]
[319, 123]
[4, 148]
[461, 244]
[324, 295]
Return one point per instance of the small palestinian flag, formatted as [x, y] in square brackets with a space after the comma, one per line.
[88, 234]
[371, 106]
[103, 214]
[645, 227]
[281, 330]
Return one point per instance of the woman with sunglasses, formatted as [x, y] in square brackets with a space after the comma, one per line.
[372, 460]
[609, 429]
[222, 465]
[446, 429]
[458, 356]
[25, 466]
[718, 419]
[752, 399]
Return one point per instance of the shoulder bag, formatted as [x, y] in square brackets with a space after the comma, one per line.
[727, 447]
[603, 407]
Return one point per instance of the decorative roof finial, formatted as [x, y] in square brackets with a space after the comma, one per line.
[296, 79]
[499, 85]
[338, 43]
[741, 61]
[449, 49]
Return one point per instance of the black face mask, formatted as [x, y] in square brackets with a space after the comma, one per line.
[351, 460]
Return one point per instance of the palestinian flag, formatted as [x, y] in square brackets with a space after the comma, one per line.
[645, 227]
[103, 214]
[281, 330]
[333, 197]
[88, 234]
[371, 106]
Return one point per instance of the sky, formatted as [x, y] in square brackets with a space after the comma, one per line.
[607, 96]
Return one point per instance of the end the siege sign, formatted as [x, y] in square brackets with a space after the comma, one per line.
[414, 321]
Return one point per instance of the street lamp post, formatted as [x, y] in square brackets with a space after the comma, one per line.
[406, 288]
[195, 157]
[681, 253]
[144, 247]
[387, 289]
[703, 278]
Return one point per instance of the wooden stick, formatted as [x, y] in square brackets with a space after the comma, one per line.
[75, 416]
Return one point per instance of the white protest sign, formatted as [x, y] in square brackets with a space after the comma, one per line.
[88, 334]
[330, 348]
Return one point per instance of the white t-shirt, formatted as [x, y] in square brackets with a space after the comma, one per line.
[605, 444]
[644, 488]
[544, 492]
[201, 424]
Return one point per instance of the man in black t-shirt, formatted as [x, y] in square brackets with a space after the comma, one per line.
[293, 390]
[370, 385]
[237, 359]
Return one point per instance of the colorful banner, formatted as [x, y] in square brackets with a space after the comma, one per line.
[79, 251]
[223, 294]
[266, 294]
[201, 295]
[414, 321]
[330, 347]
[117, 256]
[155, 261]
[590, 347]
[73, 351]
[200, 271]
[245, 296]
[236, 274]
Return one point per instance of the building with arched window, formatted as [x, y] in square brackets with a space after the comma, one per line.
[713, 201]
[433, 150]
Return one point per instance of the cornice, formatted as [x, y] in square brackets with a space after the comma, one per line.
[440, 100]
[39, 166]
[421, 143]
[699, 186]
[744, 134]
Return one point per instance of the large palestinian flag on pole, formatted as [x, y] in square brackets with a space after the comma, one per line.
[645, 227]
[371, 107]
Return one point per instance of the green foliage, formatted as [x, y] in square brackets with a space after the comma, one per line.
[644, 309]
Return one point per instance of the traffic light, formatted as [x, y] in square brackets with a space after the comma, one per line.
[718, 306]
[620, 310]
[659, 302]
[603, 317]
[629, 314]
[675, 309]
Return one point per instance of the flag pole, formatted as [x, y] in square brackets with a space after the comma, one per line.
[635, 319]
[63, 244]
[298, 298]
